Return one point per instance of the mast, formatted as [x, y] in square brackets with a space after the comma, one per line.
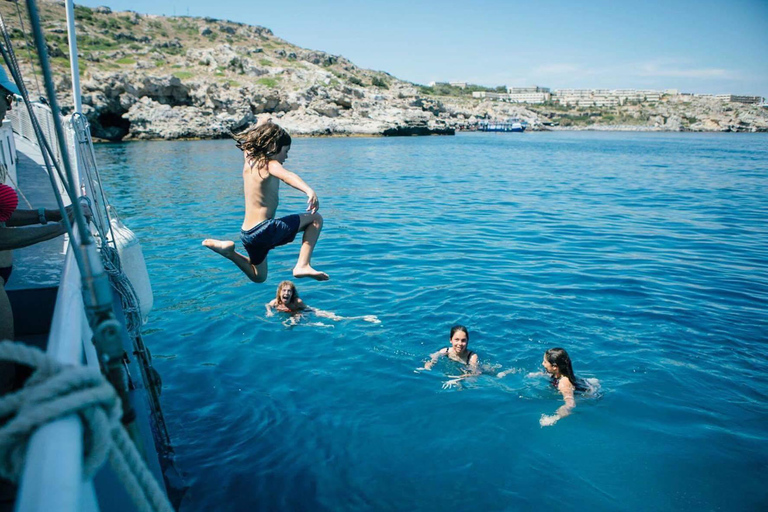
[73, 64]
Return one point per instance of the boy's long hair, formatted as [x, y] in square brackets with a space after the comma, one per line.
[559, 357]
[293, 289]
[262, 142]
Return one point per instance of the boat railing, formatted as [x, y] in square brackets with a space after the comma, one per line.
[21, 121]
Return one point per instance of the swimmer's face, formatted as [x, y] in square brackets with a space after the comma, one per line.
[551, 368]
[459, 341]
[283, 154]
[286, 294]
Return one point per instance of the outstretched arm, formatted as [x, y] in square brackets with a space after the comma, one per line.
[29, 217]
[293, 179]
[566, 389]
[433, 358]
[326, 314]
[16, 238]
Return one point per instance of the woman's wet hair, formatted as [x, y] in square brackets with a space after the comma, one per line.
[456, 328]
[262, 142]
[292, 287]
[559, 357]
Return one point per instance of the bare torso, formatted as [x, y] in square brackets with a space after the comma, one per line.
[261, 194]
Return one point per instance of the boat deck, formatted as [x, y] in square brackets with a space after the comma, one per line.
[37, 266]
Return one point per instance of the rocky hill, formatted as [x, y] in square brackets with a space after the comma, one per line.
[158, 77]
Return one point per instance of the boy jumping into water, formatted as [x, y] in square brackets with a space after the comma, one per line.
[265, 147]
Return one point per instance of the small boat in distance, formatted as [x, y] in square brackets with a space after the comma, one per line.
[510, 125]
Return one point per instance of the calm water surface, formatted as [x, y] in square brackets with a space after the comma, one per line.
[644, 255]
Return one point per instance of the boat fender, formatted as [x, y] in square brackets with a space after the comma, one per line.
[132, 261]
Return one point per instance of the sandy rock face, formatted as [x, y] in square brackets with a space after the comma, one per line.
[166, 107]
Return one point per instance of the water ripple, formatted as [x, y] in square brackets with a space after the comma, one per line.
[644, 255]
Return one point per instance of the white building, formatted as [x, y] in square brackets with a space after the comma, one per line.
[489, 95]
[750, 100]
[527, 90]
[531, 97]
[604, 97]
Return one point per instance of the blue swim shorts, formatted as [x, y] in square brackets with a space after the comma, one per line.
[268, 234]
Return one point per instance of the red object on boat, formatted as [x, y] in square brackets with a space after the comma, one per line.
[8, 202]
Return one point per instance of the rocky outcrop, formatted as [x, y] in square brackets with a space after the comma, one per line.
[163, 107]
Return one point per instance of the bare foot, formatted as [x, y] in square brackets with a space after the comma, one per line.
[299, 272]
[224, 247]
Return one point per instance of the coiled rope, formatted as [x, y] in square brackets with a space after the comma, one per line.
[55, 391]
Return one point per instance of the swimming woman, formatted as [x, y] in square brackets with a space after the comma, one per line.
[558, 365]
[287, 300]
[458, 352]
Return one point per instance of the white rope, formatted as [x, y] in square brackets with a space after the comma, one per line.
[55, 391]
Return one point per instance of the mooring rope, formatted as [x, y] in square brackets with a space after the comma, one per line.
[55, 391]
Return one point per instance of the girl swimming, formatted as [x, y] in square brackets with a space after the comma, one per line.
[458, 352]
[287, 300]
[558, 365]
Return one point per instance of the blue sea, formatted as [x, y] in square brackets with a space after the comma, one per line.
[644, 255]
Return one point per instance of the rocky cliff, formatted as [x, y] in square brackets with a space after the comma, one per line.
[155, 77]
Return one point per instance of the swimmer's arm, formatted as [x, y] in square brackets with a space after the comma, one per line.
[293, 179]
[566, 389]
[300, 306]
[433, 359]
[270, 307]
[326, 314]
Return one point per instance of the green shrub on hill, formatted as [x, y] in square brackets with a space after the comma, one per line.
[83, 13]
[268, 82]
[378, 82]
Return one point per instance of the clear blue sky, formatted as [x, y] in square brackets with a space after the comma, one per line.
[702, 46]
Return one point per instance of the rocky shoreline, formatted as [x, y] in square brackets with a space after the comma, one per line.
[152, 77]
[140, 107]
